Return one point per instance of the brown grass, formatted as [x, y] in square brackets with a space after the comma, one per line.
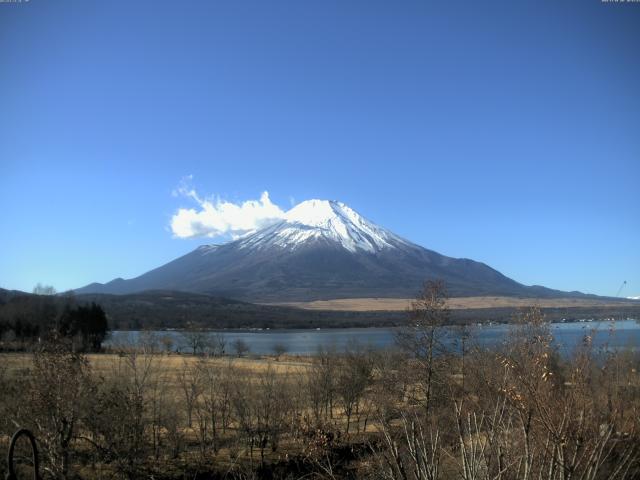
[459, 303]
[172, 365]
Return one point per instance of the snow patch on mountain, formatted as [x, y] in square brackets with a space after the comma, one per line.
[634, 298]
[324, 220]
[206, 249]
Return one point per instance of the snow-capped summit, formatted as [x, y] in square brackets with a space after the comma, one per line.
[319, 213]
[328, 221]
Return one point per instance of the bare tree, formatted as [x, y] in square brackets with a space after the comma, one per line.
[261, 409]
[422, 336]
[212, 406]
[167, 342]
[196, 340]
[59, 389]
[228, 376]
[321, 383]
[41, 289]
[354, 376]
[124, 411]
[190, 383]
[279, 349]
[413, 453]
[148, 342]
[218, 344]
[241, 347]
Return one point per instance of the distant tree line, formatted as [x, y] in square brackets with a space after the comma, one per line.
[28, 319]
[157, 310]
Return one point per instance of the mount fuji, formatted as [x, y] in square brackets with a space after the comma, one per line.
[320, 250]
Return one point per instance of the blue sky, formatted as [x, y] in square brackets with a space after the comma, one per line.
[507, 132]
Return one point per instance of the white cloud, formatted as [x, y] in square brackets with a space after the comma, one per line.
[215, 217]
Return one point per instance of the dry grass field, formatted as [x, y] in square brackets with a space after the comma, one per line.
[460, 303]
[172, 365]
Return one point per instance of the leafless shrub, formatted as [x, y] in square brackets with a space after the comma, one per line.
[321, 384]
[195, 340]
[261, 409]
[59, 391]
[412, 453]
[241, 347]
[190, 382]
[354, 375]
[124, 412]
[279, 349]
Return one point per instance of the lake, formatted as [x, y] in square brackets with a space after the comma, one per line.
[618, 335]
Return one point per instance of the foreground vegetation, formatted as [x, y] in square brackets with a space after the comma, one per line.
[418, 412]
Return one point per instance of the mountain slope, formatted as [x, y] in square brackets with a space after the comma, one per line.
[320, 250]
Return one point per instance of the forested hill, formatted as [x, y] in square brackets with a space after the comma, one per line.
[28, 319]
[171, 309]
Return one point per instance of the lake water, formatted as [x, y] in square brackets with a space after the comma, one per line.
[618, 335]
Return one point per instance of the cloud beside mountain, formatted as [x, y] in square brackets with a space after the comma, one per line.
[216, 217]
